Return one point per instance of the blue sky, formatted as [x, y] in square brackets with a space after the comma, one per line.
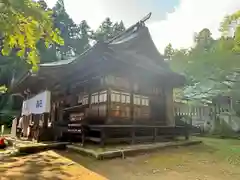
[159, 8]
[173, 21]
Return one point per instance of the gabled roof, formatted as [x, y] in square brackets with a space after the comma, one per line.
[134, 46]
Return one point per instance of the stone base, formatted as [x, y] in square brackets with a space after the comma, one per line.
[130, 150]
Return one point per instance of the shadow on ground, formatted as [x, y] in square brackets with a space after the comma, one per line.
[34, 167]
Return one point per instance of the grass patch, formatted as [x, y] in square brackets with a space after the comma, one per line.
[222, 149]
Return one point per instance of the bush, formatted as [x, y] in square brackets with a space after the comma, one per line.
[6, 120]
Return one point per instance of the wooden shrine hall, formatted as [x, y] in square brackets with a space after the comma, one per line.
[120, 90]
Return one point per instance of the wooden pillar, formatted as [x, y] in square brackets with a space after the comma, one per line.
[60, 112]
[133, 130]
[132, 107]
[37, 119]
[108, 113]
[103, 137]
[133, 135]
[83, 135]
[168, 92]
[186, 133]
[45, 120]
[155, 134]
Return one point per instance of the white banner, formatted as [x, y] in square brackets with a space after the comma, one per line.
[38, 104]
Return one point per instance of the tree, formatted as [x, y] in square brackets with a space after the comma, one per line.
[118, 28]
[209, 66]
[76, 37]
[203, 39]
[23, 24]
[107, 30]
[231, 22]
[82, 42]
[169, 51]
[67, 28]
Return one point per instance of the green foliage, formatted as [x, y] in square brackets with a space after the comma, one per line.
[203, 40]
[169, 51]
[84, 37]
[22, 24]
[232, 22]
[6, 120]
[107, 30]
[77, 37]
[3, 89]
[211, 66]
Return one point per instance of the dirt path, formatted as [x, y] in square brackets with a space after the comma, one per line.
[47, 165]
[210, 161]
[213, 160]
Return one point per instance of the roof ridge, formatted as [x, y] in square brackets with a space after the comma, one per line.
[133, 28]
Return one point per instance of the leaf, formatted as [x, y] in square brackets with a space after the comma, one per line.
[20, 39]
[232, 22]
[56, 38]
[35, 68]
[21, 53]
[6, 50]
[60, 41]
[3, 89]
[23, 24]
[12, 41]
[47, 44]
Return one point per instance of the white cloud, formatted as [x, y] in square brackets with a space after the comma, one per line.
[189, 17]
[178, 28]
[95, 11]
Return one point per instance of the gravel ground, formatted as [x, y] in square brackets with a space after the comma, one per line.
[44, 166]
[215, 159]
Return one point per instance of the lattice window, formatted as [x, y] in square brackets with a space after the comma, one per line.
[141, 100]
[120, 97]
[103, 96]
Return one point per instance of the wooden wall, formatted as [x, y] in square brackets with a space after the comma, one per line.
[129, 111]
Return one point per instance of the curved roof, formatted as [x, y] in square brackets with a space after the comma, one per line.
[134, 46]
